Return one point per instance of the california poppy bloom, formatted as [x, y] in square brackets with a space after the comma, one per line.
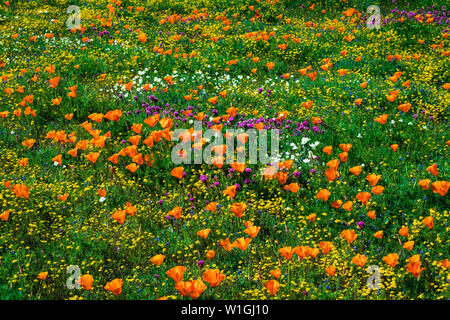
[86, 281]
[425, 184]
[272, 287]
[93, 157]
[158, 259]
[404, 231]
[312, 217]
[212, 206]
[378, 234]
[409, 245]
[382, 119]
[175, 212]
[21, 191]
[360, 260]
[42, 275]
[184, 287]
[177, 172]
[5, 215]
[226, 244]
[428, 221]
[252, 231]
[371, 214]
[440, 187]
[114, 286]
[349, 235]
[336, 204]
[286, 252]
[348, 206]
[119, 216]
[373, 179]
[328, 149]
[391, 259]
[363, 197]
[230, 191]
[210, 254]
[276, 273]
[213, 277]
[433, 169]
[204, 233]
[238, 209]
[377, 190]
[323, 195]
[414, 266]
[326, 246]
[241, 243]
[330, 270]
[176, 273]
[197, 288]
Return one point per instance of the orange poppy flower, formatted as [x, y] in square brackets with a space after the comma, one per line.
[428, 221]
[414, 266]
[210, 254]
[292, 187]
[404, 107]
[425, 184]
[158, 259]
[93, 157]
[331, 271]
[276, 273]
[204, 233]
[114, 286]
[286, 252]
[373, 179]
[377, 190]
[63, 197]
[343, 156]
[226, 244]
[86, 281]
[409, 245]
[21, 191]
[5, 215]
[433, 169]
[349, 235]
[348, 206]
[175, 212]
[42, 275]
[252, 231]
[119, 216]
[230, 191]
[312, 217]
[212, 206]
[445, 263]
[336, 204]
[177, 172]
[360, 260]
[378, 234]
[404, 231]
[440, 187]
[323, 195]
[328, 149]
[363, 197]
[326, 246]
[371, 214]
[391, 259]
[241, 243]
[331, 174]
[176, 273]
[382, 119]
[272, 287]
[213, 277]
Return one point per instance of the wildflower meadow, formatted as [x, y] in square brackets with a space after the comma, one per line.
[224, 150]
